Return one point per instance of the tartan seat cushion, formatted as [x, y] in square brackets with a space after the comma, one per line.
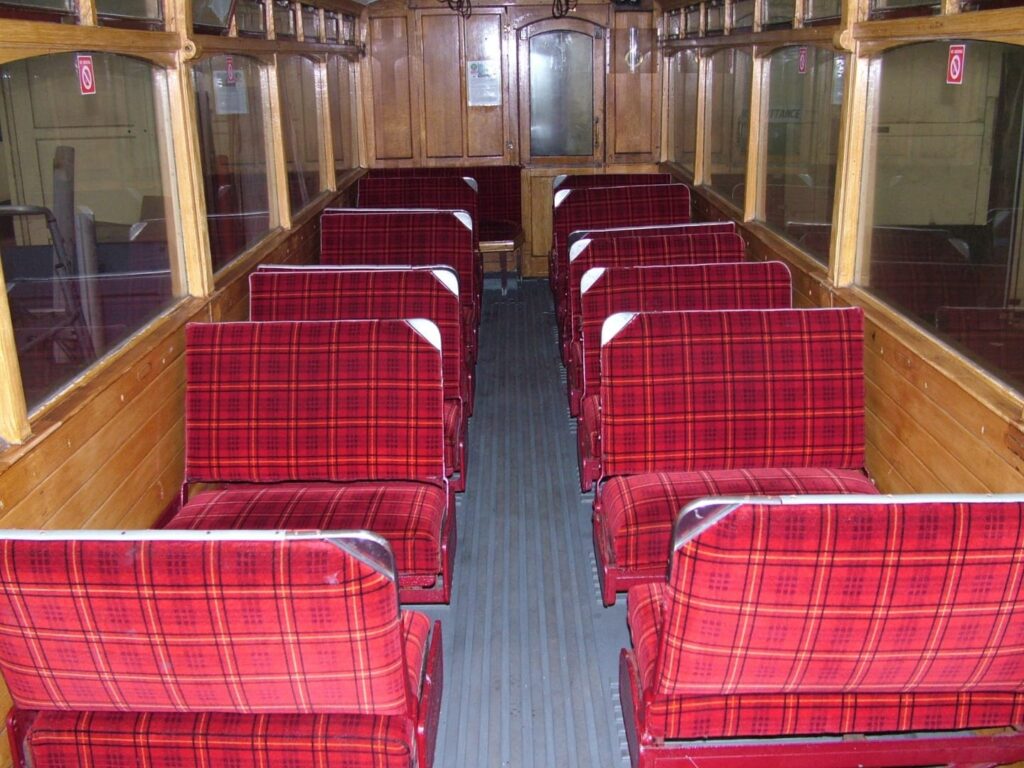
[638, 511]
[409, 515]
[221, 740]
[773, 715]
[836, 615]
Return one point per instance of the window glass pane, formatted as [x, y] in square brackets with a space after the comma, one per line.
[332, 27]
[342, 97]
[945, 243]
[97, 164]
[673, 24]
[301, 129]
[823, 9]
[894, 8]
[716, 18]
[729, 122]
[249, 18]
[684, 69]
[310, 24]
[211, 16]
[779, 12]
[284, 19]
[561, 94]
[146, 10]
[743, 14]
[692, 20]
[233, 153]
[17, 8]
[805, 100]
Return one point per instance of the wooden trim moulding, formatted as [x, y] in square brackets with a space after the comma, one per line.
[22, 39]
[1004, 25]
[775, 38]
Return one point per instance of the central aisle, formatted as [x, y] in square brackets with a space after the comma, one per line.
[531, 656]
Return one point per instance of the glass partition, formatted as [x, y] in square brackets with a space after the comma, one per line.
[341, 93]
[729, 123]
[943, 221]
[300, 107]
[232, 142]
[805, 101]
[88, 220]
[684, 75]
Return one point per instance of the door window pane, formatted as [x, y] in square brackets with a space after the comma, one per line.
[233, 153]
[93, 165]
[805, 101]
[561, 94]
[945, 209]
[299, 106]
[684, 75]
[729, 123]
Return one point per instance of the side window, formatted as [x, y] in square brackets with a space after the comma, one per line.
[942, 221]
[87, 225]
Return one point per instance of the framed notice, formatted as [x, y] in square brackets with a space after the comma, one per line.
[483, 83]
[230, 94]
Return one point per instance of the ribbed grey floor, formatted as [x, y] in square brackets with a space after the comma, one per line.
[531, 656]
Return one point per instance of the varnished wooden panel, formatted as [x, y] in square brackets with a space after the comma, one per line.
[442, 85]
[392, 91]
[486, 124]
[634, 111]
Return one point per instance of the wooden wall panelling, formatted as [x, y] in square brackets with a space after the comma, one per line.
[391, 98]
[487, 125]
[442, 119]
[634, 77]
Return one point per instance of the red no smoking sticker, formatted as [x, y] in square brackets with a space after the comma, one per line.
[86, 75]
[801, 64]
[955, 65]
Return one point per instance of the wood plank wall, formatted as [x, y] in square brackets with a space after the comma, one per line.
[934, 423]
[112, 454]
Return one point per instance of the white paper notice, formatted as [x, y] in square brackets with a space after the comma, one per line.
[483, 83]
[230, 95]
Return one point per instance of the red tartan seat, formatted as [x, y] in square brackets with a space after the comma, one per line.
[588, 180]
[687, 228]
[743, 285]
[443, 193]
[339, 293]
[419, 238]
[296, 406]
[831, 616]
[703, 244]
[602, 207]
[711, 392]
[499, 194]
[130, 648]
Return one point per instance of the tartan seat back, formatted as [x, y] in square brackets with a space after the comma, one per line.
[845, 594]
[161, 621]
[313, 401]
[739, 285]
[356, 294]
[689, 228]
[354, 237]
[732, 389]
[601, 207]
[499, 193]
[646, 250]
[586, 181]
[453, 193]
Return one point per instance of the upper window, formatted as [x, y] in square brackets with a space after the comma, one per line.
[778, 13]
[684, 71]
[88, 224]
[805, 99]
[300, 107]
[942, 220]
[341, 94]
[729, 123]
[233, 151]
